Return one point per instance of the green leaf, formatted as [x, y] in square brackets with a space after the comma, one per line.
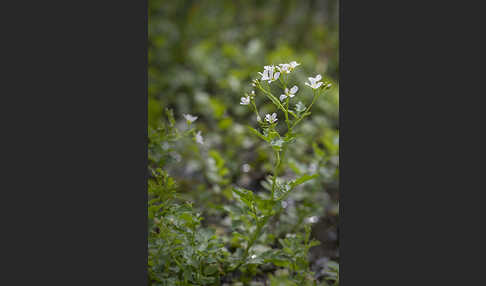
[293, 114]
[187, 273]
[246, 196]
[273, 134]
[281, 263]
[254, 131]
[314, 243]
[277, 144]
[302, 180]
[210, 269]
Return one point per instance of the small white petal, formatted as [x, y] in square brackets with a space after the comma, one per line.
[282, 97]
[312, 219]
[271, 118]
[294, 64]
[276, 75]
[245, 100]
[199, 138]
[294, 89]
[318, 77]
[190, 118]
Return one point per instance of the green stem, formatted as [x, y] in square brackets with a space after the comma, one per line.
[255, 108]
[314, 99]
[257, 232]
[272, 98]
[275, 172]
[286, 113]
[253, 238]
[306, 112]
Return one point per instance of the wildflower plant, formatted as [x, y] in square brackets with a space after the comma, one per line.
[184, 251]
[260, 208]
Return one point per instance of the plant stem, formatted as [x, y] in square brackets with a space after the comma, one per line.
[253, 238]
[306, 112]
[255, 108]
[275, 172]
[286, 114]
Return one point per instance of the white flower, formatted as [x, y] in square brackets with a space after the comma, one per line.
[288, 68]
[199, 138]
[190, 119]
[293, 90]
[314, 82]
[294, 64]
[271, 118]
[245, 100]
[269, 74]
[284, 68]
[289, 93]
[312, 219]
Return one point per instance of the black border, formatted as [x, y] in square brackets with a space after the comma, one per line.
[77, 161]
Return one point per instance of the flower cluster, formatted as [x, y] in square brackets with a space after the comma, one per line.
[269, 73]
[288, 68]
[272, 73]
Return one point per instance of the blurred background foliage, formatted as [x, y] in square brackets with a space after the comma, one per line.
[202, 57]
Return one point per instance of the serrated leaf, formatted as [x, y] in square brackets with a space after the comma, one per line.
[246, 196]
